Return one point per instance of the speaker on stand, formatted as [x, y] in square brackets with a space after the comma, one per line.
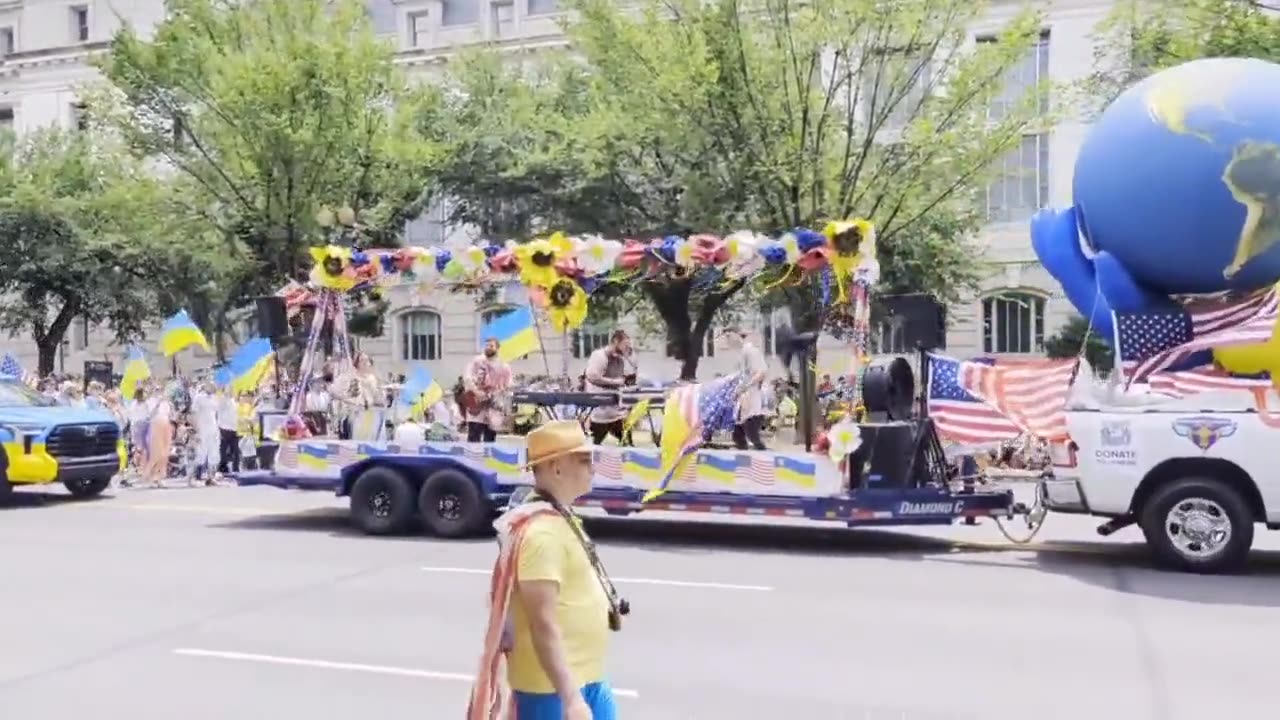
[273, 323]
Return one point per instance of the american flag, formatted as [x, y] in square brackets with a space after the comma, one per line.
[1205, 379]
[981, 401]
[10, 367]
[1153, 341]
[694, 413]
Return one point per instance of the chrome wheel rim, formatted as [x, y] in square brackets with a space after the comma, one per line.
[1198, 527]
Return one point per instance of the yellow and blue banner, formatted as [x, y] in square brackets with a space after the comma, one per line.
[420, 391]
[516, 331]
[246, 368]
[179, 333]
[135, 371]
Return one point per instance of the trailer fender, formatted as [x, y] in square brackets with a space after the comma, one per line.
[418, 467]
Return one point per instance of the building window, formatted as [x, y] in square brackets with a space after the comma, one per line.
[769, 322]
[7, 45]
[1013, 323]
[1021, 78]
[432, 227]
[80, 116]
[487, 317]
[80, 337]
[6, 118]
[588, 339]
[542, 7]
[889, 337]
[1021, 184]
[893, 88]
[80, 23]
[419, 29]
[459, 12]
[502, 15]
[420, 336]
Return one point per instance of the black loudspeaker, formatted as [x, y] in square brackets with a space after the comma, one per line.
[888, 392]
[884, 459]
[273, 320]
[97, 370]
[919, 320]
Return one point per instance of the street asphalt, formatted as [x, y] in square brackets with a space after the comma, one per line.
[257, 604]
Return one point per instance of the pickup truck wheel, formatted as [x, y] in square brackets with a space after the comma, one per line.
[1198, 525]
[451, 505]
[87, 487]
[382, 502]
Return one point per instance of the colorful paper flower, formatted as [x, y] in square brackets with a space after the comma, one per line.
[633, 254]
[567, 305]
[537, 261]
[595, 255]
[844, 437]
[683, 254]
[853, 248]
[333, 268]
[743, 254]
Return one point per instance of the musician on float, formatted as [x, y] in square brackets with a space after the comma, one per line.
[750, 410]
[608, 371]
[486, 382]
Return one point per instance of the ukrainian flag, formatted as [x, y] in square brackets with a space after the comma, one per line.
[246, 368]
[178, 333]
[796, 472]
[516, 332]
[719, 469]
[135, 371]
[420, 391]
[644, 466]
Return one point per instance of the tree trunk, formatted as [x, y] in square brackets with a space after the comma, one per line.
[48, 354]
[687, 337]
[48, 341]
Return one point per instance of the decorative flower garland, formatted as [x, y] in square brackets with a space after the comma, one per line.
[562, 271]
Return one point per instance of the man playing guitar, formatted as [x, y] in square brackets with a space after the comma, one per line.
[485, 384]
[607, 371]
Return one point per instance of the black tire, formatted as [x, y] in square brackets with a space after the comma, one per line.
[452, 506]
[382, 502]
[1211, 499]
[84, 488]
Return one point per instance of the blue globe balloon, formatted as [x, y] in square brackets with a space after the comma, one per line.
[1180, 178]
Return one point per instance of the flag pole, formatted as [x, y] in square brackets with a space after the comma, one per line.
[542, 344]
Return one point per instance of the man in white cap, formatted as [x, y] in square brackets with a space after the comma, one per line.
[552, 604]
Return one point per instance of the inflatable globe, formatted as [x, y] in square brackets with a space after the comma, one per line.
[1179, 179]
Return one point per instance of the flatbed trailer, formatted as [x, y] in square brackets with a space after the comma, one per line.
[455, 489]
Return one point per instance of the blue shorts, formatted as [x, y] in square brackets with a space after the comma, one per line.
[547, 706]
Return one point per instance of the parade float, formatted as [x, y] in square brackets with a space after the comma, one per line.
[1170, 251]
[888, 469]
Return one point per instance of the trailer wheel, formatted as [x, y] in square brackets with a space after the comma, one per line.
[88, 487]
[451, 505]
[382, 502]
[1198, 525]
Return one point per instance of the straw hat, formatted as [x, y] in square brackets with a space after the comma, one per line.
[555, 439]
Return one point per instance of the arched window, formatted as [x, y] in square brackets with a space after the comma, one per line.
[769, 322]
[589, 338]
[1013, 322]
[420, 336]
[487, 316]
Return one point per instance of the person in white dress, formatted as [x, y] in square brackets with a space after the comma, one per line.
[358, 396]
[204, 418]
[751, 411]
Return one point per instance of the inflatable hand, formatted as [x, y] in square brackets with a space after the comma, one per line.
[1096, 286]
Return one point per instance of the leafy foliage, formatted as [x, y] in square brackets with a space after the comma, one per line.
[682, 116]
[87, 232]
[1076, 335]
[269, 111]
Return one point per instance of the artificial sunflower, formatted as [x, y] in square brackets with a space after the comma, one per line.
[853, 243]
[538, 260]
[332, 269]
[567, 305]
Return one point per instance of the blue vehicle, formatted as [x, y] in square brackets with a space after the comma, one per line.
[48, 443]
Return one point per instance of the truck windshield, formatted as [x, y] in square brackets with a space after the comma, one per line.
[15, 394]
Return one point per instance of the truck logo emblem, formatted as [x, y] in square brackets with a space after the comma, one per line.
[1116, 434]
[90, 431]
[1204, 432]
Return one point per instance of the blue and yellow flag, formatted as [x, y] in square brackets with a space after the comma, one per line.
[179, 333]
[516, 332]
[420, 391]
[135, 371]
[692, 414]
[246, 368]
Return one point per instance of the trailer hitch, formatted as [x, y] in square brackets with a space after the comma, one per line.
[1032, 516]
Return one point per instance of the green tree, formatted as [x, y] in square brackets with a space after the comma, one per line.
[270, 110]
[1076, 336]
[684, 116]
[87, 232]
[1134, 42]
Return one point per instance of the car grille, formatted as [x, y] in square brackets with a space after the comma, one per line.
[83, 440]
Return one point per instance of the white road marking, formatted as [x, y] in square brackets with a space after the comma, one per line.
[349, 667]
[635, 581]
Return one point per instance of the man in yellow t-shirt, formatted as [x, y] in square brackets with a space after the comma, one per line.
[559, 610]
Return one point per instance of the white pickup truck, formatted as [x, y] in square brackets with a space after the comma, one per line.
[1196, 474]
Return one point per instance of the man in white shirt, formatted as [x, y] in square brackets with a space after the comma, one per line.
[607, 372]
[754, 369]
[204, 418]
